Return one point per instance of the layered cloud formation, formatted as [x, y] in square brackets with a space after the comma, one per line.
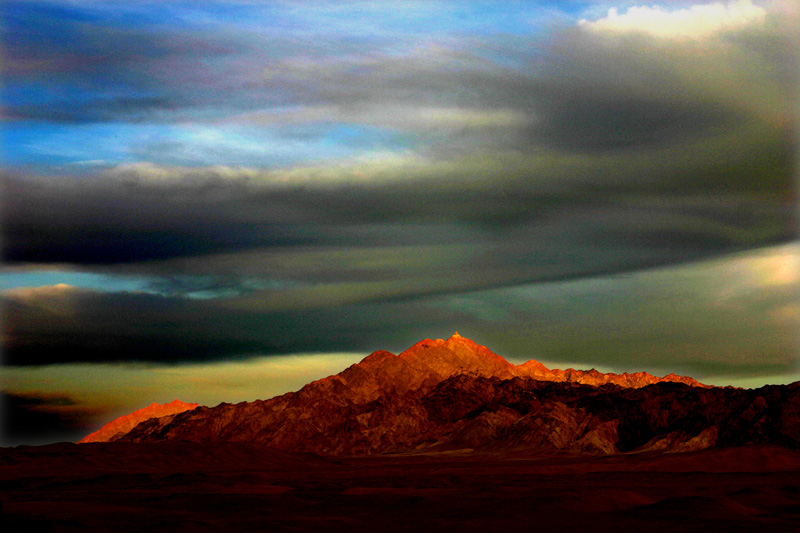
[200, 182]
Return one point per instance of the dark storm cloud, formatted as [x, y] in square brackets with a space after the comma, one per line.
[646, 93]
[53, 325]
[33, 419]
[734, 316]
[86, 222]
[413, 241]
[62, 324]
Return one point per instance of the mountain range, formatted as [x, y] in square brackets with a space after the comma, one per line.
[447, 395]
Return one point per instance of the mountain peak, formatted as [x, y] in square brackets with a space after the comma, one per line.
[456, 339]
[456, 355]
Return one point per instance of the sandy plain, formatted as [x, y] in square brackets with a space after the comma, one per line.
[176, 486]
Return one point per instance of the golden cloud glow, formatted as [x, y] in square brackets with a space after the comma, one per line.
[28, 293]
[781, 268]
[696, 22]
[111, 390]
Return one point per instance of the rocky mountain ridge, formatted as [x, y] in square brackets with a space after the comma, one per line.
[454, 394]
[125, 423]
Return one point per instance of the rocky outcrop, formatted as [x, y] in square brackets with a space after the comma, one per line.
[124, 424]
[454, 394]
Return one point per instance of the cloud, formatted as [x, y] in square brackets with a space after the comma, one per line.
[406, 117]
[735, 315]
[289, 194]
[60, 290]
[443, 97]
[34, 418]
[52, 327]
[730, 317]
[695, 22]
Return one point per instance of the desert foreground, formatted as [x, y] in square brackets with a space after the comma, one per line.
[178, 486]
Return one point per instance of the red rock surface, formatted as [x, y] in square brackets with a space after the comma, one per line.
[124, 424]
[454, 394]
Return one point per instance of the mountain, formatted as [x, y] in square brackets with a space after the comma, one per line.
[454, 394]
[124, 424]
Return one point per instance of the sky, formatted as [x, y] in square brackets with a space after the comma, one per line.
[222, 201]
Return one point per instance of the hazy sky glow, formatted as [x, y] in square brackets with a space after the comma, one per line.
[220, 201]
